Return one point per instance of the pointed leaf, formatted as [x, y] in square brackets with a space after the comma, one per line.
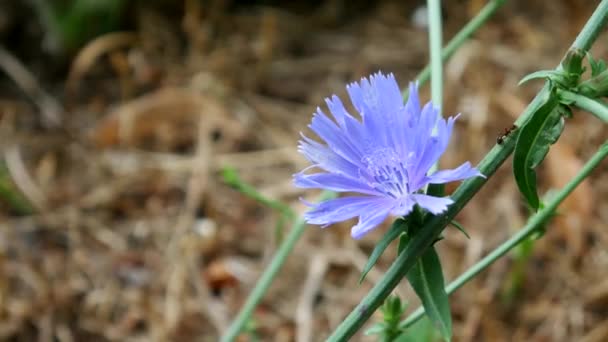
[597, 86]
[597, 65]
[554, 75]
[398, 227]
[460, 227]
[421, 331]
[533, 142]
[426, 278]
[573, 64]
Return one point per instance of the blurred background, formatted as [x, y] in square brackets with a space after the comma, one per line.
[119, 118]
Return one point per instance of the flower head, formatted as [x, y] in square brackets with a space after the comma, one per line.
[386, 156]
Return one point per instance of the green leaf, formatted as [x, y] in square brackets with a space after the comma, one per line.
[426, 278]
[597, 66]
[421, 331]
[556, 76]
[597, 86]
[10, 194]
[392, 310]
[573, 64]
[460, 227]
[231, 177]
[533, 142]
[398, 227]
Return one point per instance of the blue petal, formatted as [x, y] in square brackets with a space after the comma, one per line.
[435, 147]
[393, 111]
[435, 205]
[325, 158]
[412, 116]
[336, 107]
[333, 182]
[340, 209]
[336, 138]
[371, 217]
[365, 99]
[412, 105]
[464, 171]
[403, 206]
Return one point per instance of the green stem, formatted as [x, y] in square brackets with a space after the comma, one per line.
[433, 227]
[262, 285]
[462, 36]
[587, 104]
[435, 43]
[534, 223]
[270, 272]
[231, 177]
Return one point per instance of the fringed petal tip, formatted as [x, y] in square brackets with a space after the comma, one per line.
[434, 205]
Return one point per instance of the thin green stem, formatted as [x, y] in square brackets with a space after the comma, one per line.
[435, 43]
[265, 280]
[433, 227]
[461, 37]
[534, 223]
[231, 177]
[587, 104]
[270, 272]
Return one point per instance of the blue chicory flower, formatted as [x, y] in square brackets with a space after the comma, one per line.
[386, 156]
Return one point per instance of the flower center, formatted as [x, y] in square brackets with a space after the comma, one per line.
[386, 172]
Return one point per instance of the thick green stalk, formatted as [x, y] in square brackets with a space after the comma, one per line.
[435, 43]
[534, 223]
[428, 233]
[461, 37]
[270, 272]
[587, 104]
[261, 286]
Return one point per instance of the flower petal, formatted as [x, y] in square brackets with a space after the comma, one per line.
[435, 205]
[339, 209]
[403, 206]
[325, 158]
[371, 217]
[333, 182]
[336, 107]
[464, 171]
[336, 138]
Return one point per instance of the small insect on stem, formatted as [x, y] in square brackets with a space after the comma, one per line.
[507, 131]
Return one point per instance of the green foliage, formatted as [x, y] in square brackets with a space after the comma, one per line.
[573, 64]
[11, 195]
[250, 329]
[597, 65]
[398, 227]
[596, 86]
[460, 227]
[535, 138]
[517, 274]
[388, 329]
[555, 76]
[70, 24]
[231, 177]
[566, 77]
[426, 278]
[287, 215]
[421, 331]
[545, 127]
